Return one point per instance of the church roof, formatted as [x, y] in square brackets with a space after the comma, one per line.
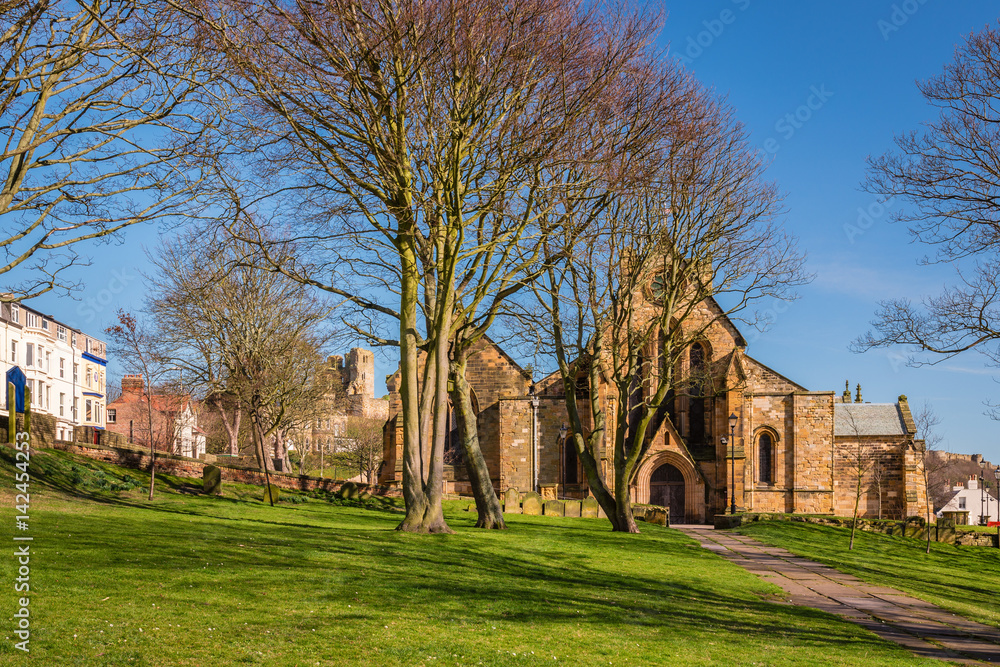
[857, 419]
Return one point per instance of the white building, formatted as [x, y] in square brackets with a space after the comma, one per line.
[970, 498]
[65, 368]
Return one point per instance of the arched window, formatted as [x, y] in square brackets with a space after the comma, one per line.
[765, 458]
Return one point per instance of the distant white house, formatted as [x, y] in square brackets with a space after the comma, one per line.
[973, 500]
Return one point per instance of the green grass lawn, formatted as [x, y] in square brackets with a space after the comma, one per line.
[965, 580]
[190, 580]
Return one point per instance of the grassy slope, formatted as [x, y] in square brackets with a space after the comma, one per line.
[188, 580]
[965, 580]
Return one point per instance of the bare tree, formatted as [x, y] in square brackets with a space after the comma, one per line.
[409, 125]
[138, 349]
[879, 475]
[926, 421]
[362, 444]
[858, 456]
[644, 266]
[100, 125]
[246, 338]
[947, 172]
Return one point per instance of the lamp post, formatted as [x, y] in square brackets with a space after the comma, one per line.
[996, 474]
[732, 440]
[562, 454]
[982, 492]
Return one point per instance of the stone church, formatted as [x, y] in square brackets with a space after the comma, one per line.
[794, 448]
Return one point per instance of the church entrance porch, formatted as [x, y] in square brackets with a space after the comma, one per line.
[666, 488]
[668, 478]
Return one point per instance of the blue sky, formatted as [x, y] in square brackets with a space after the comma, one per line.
[848, 69]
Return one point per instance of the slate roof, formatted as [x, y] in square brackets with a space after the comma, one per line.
[850, 419]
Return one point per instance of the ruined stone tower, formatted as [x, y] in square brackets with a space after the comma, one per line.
[360, 372]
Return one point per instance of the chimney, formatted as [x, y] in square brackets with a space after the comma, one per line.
[857, 399]
[132, 384]
[973, 482]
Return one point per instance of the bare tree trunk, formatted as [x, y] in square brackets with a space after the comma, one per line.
[857, 502]
[232, 429]
[152, 441]
[421, 485]
[487, 504]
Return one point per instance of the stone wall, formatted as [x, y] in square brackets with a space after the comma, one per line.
[903, 492]
[43, 429]
[187, 467]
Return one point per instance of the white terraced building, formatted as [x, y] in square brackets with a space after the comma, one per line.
[65, 368]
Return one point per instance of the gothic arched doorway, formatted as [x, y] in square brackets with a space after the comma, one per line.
[666, 488]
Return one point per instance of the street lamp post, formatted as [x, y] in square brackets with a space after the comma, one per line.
[982, 492]
[732, 440]
[996, 474]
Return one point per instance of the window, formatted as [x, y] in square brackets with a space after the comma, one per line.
[13, 351]
[62, 367]
[41, 357]
[15, 313]
[61, 333]
[29, 354]
[88, 405]
[76, 373]
[48, 361]
[961, 503]
[62, 404]
[73, 339]
[32, 320]
[45, 324]
[112, 415]
[765, 458]
[76, 406]
[48, 396]
[88, 345]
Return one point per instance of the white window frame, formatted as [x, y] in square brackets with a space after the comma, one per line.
[15, 313]
[61, 333]
[112, 416]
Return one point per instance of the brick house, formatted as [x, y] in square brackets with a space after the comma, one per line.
[792, 446]
[175, 419]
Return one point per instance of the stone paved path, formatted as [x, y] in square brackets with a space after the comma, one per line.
[923, 628]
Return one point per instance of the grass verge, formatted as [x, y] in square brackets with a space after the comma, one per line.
[191, 580]
[965, 580]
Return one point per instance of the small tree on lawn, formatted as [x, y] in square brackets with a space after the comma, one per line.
[926, 422]
[858, 457]
[138, 350]
[363, 444]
